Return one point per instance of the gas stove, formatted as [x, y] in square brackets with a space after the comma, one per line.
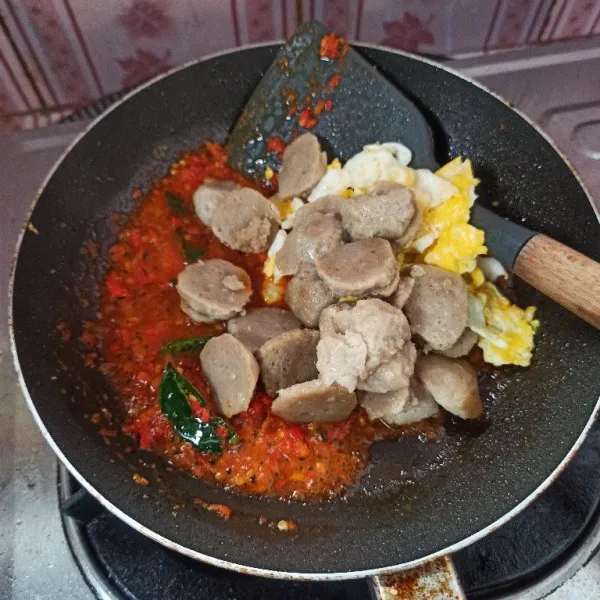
[57, 543]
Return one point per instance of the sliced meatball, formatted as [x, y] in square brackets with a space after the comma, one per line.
[289, 358]
[307, 296]
[394, 374]
[401, 407]
[209, 195]
[438, 306]
[213, 290]
[232, 372]
[463, 346]
[312, 237]
[403, 291]
[302, 166]
[366, 267]
[312, 401]
[452, 383]
[421, 405]
[328, 205]
[195, 315]
[411, 230]
[327, 322]
[385, 213]
[383, 327]
[343, 354]
[383, 406]
[341, 359]
[358, 340]
[261, 324]
[246, 221]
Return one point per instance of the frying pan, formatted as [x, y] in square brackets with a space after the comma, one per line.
[418, 500]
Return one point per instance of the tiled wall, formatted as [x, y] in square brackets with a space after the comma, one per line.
[56, 54]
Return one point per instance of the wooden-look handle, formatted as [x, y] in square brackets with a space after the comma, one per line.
[563, 274]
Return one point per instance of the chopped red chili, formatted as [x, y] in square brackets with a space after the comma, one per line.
[276, 144]
[135, 237]
[323, 106]
[296, 432]
[306, 119]
[116, 286]
[334, 81]
[204, 414]
[332, 47]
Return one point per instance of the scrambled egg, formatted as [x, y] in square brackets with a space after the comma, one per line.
[456, 248]
[446, 238]
[272, 292]
[287, 210]
[269, 268]
[505, 331]
[376, 162]
[273, 289]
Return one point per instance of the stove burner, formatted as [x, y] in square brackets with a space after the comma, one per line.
[120, 563]
[541, 538]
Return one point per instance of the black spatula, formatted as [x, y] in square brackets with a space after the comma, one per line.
[318, 83]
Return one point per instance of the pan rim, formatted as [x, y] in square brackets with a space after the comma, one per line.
[261, 572]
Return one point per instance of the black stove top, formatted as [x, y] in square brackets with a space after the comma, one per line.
[128, 565]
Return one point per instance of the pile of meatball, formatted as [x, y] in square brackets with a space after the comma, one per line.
[359, 331]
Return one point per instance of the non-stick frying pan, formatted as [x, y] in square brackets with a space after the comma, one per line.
[417, 500]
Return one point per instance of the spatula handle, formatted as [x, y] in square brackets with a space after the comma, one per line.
[563, 274]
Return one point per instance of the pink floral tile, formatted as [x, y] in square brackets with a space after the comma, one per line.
[145, 19]
[413, 25]
[71, 51]
[576, 19]
[408, 32]
[143, 65]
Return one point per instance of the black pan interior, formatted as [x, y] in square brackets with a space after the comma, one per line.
[418, 498]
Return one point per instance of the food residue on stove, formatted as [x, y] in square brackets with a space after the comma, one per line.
[140, 480]
[222, 510]
[286, 525]
[281, 525]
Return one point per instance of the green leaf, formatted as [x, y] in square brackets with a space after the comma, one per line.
[192, 253]
[185, 345]
[176, 203]
[184, 385]
[173, 397]
[203, 436]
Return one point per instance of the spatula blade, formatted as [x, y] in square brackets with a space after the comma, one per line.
[364, 107]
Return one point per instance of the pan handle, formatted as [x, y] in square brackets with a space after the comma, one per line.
[563, 274]
[435, 580]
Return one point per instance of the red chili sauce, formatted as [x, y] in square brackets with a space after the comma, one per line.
[140, 312]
